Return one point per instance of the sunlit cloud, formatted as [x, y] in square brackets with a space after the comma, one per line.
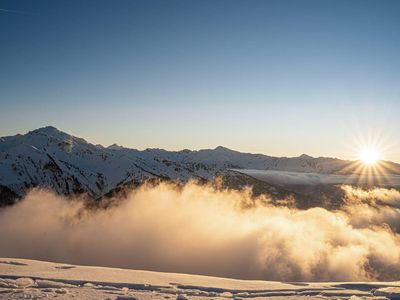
[205, 230]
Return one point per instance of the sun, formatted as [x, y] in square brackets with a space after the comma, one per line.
[370, 155]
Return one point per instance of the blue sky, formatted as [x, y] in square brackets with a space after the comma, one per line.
[275, 77]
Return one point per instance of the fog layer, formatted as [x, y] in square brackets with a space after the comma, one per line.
[203, 230]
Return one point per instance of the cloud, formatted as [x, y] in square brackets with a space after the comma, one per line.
[13, 11]
[203, 230]
[375, 196]
[372, 207]
[298, 178]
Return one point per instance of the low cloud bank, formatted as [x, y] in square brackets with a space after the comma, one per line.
[299, 178]
[202, 230]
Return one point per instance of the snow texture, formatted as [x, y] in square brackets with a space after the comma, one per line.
[29, 279]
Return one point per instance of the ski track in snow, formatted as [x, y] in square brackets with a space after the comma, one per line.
[30, 279]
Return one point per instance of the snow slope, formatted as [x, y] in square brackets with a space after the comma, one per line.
[50, 158]
[30, 279]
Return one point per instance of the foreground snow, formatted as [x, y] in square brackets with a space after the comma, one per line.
[30, 279]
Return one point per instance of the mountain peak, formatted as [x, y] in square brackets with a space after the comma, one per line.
[305, 156]
[115, 147]
[50, 131]
[221, 148]
[46, 130]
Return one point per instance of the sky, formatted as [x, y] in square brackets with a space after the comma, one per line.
[275, 77]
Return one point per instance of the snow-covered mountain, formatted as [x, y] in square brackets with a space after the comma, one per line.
[51, 158]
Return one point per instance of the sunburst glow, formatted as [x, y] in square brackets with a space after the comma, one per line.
[370, 155]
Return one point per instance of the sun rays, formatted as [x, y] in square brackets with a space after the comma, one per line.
[367, 165]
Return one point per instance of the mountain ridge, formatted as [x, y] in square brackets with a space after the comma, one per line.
[50, 158]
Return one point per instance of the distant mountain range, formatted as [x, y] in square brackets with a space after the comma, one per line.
[48, 157]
